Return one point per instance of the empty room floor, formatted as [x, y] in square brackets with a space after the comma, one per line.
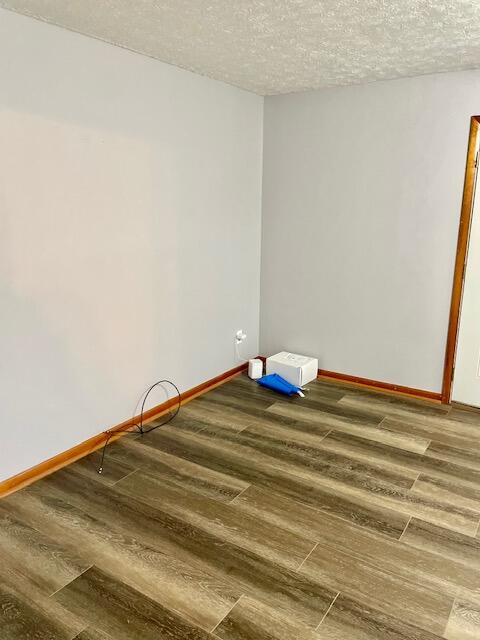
[345, 515]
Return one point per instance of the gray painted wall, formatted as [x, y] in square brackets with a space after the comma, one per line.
[361, 201]
[130, 197]
[130, 228]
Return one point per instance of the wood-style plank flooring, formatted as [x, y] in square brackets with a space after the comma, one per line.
[347, 515]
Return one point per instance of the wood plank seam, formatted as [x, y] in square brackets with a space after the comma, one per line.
[415, 481]
[406, 526]
[239, 494]
[478, 529]
[449, 615]
[51, 595]
[307, 556]
[227, 614]
[327, 611]
[128, 474]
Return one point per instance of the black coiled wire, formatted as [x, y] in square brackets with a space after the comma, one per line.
[139, 426]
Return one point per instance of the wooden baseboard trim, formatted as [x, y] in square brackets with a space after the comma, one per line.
[465, 407]
[386, 387]
[43, 469]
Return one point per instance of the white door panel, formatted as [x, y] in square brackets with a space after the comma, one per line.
[466, 381]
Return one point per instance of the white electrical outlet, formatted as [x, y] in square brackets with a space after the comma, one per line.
[240, 336]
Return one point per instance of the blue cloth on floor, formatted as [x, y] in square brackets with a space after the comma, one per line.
[277, 383]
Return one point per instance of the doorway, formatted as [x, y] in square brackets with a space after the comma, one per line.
[461, 381]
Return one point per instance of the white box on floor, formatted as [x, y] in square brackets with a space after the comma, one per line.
[297, 370]
[255, 368]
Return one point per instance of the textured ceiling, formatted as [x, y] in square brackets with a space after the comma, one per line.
[280, 46]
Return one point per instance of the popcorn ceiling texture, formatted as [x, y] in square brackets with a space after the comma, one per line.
[281, 46]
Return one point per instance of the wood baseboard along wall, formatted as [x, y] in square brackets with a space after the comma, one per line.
[376, 385]
[33, 474]
[81, 450]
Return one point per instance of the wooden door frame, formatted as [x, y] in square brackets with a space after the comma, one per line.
[460, 260]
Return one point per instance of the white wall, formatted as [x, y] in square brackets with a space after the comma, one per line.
[130, 197]
[361, 204]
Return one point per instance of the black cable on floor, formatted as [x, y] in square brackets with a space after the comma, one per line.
[139, 426]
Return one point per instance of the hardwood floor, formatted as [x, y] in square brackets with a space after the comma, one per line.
[347, 515]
